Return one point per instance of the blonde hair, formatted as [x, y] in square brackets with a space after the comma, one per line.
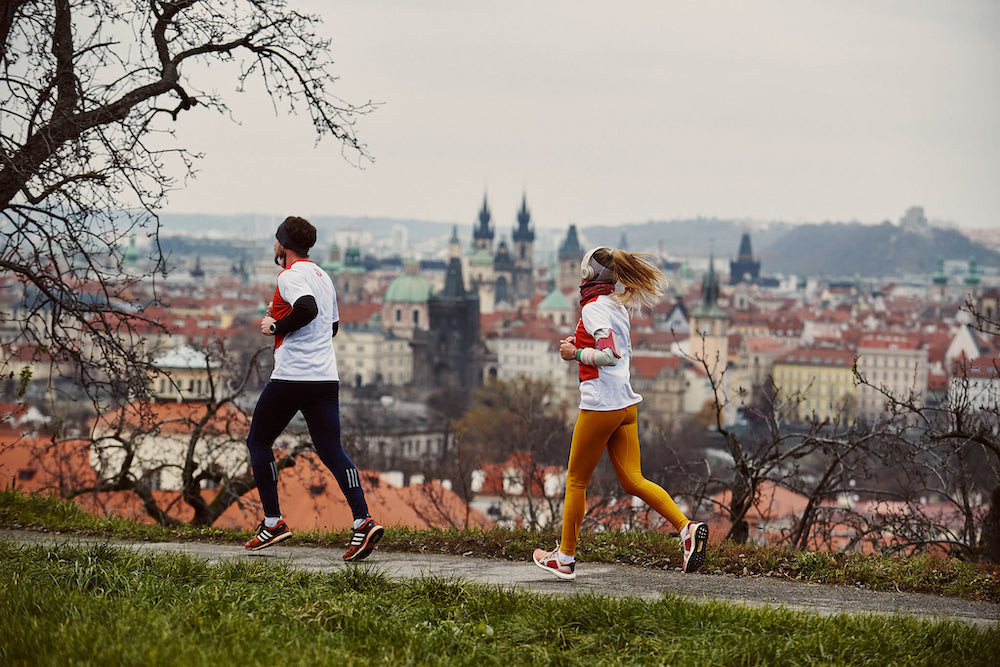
[643, 283]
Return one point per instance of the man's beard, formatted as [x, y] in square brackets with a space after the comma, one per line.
[279, 259]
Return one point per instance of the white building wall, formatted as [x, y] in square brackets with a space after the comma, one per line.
[373, 355]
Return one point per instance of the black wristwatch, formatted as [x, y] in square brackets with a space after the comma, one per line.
[272, 328]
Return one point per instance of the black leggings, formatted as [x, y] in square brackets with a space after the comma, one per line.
[319, 403]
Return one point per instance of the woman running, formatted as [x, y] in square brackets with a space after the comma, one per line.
[608, 410]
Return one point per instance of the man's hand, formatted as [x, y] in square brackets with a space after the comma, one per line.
[567, 348]
[265, 324]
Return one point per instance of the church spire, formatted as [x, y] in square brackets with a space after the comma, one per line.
[710, 291]
[454, 245]
[483, 231]
[524, 232]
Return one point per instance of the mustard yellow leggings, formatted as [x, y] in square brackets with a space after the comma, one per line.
[618, 431]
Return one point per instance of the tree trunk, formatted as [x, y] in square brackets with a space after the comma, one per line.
[740, 532]
[991, 529]
[7, 11]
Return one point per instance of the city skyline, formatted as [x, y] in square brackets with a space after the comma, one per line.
[606, 115]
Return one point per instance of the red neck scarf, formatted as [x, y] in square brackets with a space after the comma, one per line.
[590, 291]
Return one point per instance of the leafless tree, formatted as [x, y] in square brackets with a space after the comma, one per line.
[91, 90]
[200, 444]
[949, 458]
[816, 458]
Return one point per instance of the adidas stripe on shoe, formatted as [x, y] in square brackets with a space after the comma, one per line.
[265, 536]
[363, 540]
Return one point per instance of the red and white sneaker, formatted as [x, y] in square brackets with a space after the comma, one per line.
[363, 540]
[265, 536]
[694, 538]
[549, 561]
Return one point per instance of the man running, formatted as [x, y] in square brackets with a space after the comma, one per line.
[303, 318]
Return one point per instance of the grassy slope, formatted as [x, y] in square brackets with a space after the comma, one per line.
[101, 605]
[921, 574]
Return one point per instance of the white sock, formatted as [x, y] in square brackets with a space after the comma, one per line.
[359, 522]
[271, 521]
[564, 559]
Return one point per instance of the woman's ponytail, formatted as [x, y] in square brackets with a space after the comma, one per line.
[643, 283]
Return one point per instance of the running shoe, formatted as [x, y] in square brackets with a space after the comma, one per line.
[549, 561]
[694, 538]
[265, 536]
[364, 540]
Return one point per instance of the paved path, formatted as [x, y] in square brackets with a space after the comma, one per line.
[596, 578]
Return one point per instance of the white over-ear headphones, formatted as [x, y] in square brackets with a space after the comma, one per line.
[591, 269]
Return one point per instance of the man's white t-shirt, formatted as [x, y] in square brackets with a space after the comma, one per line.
[307, 353]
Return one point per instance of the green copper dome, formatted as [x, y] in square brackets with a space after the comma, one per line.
[408, 289]
[555, 300]
[482, 257]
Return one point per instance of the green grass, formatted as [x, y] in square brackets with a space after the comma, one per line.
[65, 605]
[921, 574]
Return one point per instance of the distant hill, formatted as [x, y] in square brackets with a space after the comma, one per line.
[677, 239]
[827, 249]
[250, 226]
[869, 250]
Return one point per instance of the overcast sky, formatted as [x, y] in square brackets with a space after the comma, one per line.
[609, 113]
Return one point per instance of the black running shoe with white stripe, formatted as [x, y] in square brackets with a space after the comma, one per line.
[265, 536]
[363, 540]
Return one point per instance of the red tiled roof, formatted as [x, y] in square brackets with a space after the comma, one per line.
[981, 367]
[785, 325]
[937, 381]
[358, 313]
[174, 417]
[818, 357]
[491, 322]
[890, 343]
[646, 366]
[772, 501]
[521, 462]
[26, 353]
[745, 318]
[655, 340]
[764, 344]
[310, 497]
[534, 329]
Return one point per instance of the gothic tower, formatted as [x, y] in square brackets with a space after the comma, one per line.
[482, 234]
[570, 256]
[524, 239]
[708, 339]
[744, 269]
[938, 290]
[450, 353]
